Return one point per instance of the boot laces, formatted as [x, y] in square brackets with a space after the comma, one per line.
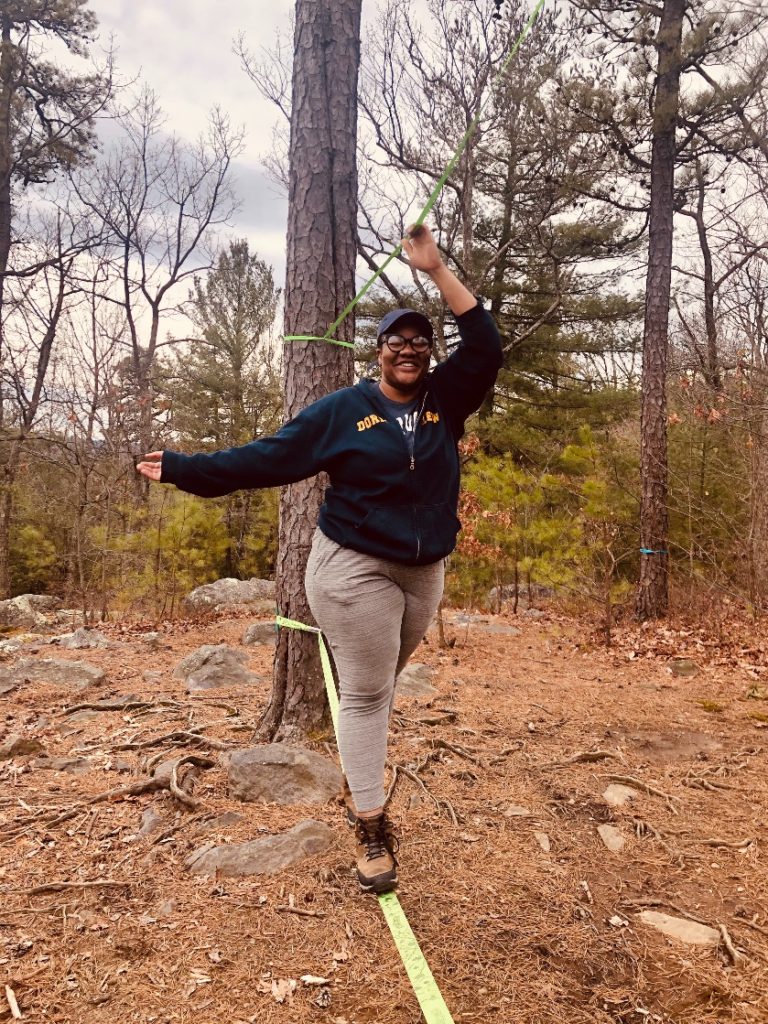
[378, 837]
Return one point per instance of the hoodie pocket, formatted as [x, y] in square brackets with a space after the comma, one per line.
[438, 527]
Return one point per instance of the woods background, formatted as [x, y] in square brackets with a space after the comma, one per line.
[133, 319]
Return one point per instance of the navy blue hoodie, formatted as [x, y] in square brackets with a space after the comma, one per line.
[380, 501]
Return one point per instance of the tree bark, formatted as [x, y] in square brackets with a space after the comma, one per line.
[653, 588]
[320, 278]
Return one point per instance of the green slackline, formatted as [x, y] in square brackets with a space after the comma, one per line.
[433, 197]
[420, 976]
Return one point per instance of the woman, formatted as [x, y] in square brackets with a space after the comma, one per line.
[375, 571]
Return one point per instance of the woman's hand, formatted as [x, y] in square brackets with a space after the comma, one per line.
[421, 249]
[152, 466]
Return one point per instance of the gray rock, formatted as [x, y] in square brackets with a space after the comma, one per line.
[222, 821]
[500, 628]
[151, 821]
[612, 838]
[416, 681]
[82, 639]
[215, 665]
[75, 675]
[498, 595]
[617, 795]
[283, 774]
[517, 811]
[17, 746]
[260, 633]
[543, 840]
[535, 613]
[226, 593]
[76, 722]
[680, 928]
[27, 611]
[684, 668]
[74, 765]
[262, 856]
[7, 685]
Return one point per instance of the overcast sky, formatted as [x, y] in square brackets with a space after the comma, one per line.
[183, 50]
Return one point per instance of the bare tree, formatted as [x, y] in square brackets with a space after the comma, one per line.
[46, 115]
[38, 314]
[157, 200]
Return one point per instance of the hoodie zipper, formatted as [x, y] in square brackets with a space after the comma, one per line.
[413, 466]
[415, 428]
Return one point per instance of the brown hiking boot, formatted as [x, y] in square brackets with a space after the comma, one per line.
[376, 848]
[346, 800]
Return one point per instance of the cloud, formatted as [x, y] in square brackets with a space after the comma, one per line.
[183, 49]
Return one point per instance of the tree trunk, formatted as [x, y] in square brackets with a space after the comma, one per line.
[320, 277]
[6, 165]
[653, 589]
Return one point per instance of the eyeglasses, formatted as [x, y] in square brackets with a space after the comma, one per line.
[396, 343]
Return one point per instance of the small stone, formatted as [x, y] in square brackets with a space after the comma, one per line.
[416, 681]
[260, 633]
[543, 840]
[517, 811]
[222, 821]
[74, 765]
[18, 746]
[151, 821]
[262, 856]
[617, 795]
[680, 928]
[612, 838]
[683, 667]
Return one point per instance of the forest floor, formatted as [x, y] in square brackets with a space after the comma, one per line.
[522, 912]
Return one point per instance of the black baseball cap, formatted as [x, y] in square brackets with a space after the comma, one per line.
[394, 316]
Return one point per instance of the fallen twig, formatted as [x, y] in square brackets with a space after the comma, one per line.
[286, 909]
[583, 757]
[106, 883]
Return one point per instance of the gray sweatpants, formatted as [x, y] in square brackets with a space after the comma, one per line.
[374, 614]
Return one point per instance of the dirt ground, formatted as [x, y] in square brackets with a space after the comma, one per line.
[523, 917]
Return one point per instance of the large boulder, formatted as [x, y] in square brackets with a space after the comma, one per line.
[215, 665]
[82, 639]
[16, 745]
[262, 856]
[27, 611]
[255, 594]
[281, 773]
[260, 633]
[416, 681]
[74, 675]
